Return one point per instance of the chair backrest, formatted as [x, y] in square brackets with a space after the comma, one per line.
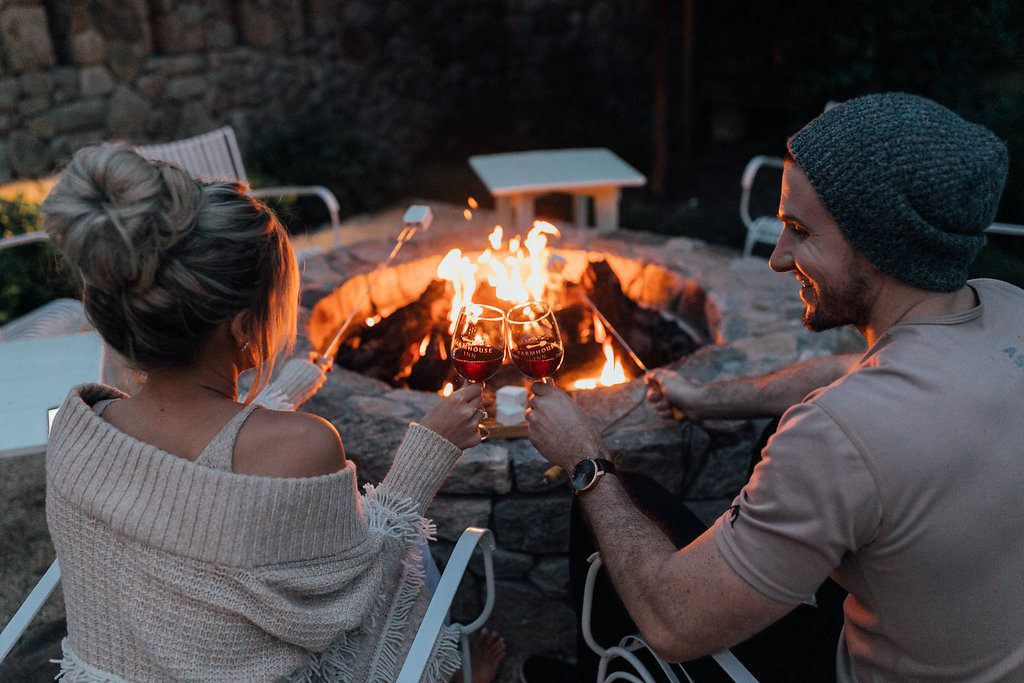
[747, 183]
[213, 156]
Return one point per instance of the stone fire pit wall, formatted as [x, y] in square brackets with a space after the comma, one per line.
[754, 317]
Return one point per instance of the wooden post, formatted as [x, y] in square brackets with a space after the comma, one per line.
[686, 113]
[659, 155]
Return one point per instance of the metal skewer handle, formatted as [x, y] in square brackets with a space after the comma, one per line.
[417, 217]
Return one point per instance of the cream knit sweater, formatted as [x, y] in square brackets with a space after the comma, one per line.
[173, 570]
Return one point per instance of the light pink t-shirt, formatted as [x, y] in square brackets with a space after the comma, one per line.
[904, 480]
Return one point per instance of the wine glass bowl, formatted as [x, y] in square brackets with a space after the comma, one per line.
[478, 343]
[533, 339]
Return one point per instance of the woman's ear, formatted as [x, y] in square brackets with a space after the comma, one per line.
[238, 328]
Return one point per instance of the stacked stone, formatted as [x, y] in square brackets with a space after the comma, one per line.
[754, 315]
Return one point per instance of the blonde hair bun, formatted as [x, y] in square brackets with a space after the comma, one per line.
[165, 258]
[115, 215]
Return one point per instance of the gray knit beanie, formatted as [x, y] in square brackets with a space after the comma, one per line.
[910, 184]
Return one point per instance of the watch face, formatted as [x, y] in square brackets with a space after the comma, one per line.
[583, 474]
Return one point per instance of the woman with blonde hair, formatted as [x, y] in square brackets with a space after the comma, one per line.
[200, 537]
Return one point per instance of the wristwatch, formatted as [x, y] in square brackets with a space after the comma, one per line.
[587, 473]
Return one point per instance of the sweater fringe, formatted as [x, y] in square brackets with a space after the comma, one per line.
[73, 669]
[392, 518]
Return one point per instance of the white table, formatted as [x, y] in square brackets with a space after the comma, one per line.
[35, 376]
[516, 179]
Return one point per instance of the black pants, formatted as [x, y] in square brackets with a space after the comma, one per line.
[799, 647]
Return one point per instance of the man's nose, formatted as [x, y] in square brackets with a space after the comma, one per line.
[781, 260]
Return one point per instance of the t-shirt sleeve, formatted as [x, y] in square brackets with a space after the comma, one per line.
[810, 500]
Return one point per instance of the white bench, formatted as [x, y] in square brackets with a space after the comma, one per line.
[516, 179]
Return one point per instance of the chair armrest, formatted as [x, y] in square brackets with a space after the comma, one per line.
[333, 208]
[630, 644]
[25, 238]
[437, 610]
[1006, 229]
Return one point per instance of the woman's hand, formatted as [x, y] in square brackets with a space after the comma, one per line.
[457, 417]
[559, 429]
[667, 388]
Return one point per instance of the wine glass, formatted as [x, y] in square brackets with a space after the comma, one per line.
[478, 344]
[534, 342]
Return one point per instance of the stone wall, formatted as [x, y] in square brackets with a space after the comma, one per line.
[420, 74]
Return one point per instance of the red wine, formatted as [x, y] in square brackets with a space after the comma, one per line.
[538, 358]
[477, 363]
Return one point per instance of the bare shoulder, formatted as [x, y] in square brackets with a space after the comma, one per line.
[275, 443]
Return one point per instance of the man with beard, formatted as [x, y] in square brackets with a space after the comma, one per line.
[901, 479]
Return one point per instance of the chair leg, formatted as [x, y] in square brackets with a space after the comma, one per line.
[580, 209]
[748, 243]
[606, 208]
[522, 204]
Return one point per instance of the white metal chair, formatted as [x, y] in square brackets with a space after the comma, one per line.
[627, 649]
[215, 156]
[437, 611]
[764, 229]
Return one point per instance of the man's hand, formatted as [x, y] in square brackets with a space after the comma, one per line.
[560, 430]
[667, 388]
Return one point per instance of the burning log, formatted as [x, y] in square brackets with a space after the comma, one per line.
[657, 339]
[388, 350]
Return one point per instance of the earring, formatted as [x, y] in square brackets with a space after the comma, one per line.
[245, 346]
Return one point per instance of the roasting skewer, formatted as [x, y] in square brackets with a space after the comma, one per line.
[417, 217]
[553, 472]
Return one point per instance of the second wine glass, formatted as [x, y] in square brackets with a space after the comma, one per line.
[478, 344]
[534, 342]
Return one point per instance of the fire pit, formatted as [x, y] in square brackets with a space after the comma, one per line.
[749, 316]
[406, 322]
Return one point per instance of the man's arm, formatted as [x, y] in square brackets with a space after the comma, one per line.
[687, 603]
[748, 397]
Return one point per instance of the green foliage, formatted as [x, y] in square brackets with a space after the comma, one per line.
[29, 276]
[364, 172]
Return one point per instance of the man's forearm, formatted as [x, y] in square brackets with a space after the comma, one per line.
[634, 550]
[687, 603]
[772, 394]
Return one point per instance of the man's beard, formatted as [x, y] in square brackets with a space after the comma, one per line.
[845, 304]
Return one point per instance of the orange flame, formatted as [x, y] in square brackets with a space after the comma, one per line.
[517, 274]
[472, 203]
[611, 374]
[461, 272]
[424, 344]
[495, 238]
[448, 389]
